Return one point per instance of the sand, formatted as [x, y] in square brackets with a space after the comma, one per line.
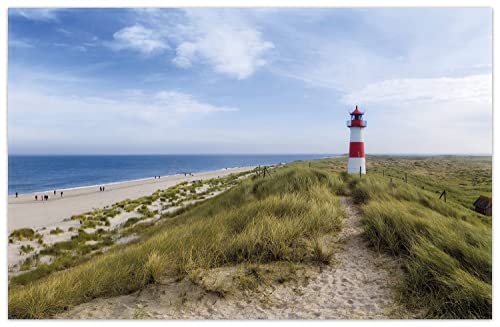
[25, 212]
[358, 284]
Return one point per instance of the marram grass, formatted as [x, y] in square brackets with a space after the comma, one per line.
[446, 249]
[278, 218]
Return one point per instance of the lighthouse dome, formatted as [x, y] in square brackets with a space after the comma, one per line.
[357, 112]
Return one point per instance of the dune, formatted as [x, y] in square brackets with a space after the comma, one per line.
[25, 212]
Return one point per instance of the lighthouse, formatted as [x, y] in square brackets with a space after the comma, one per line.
[356, 124]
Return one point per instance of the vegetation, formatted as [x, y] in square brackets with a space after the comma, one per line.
[24, 234]
[280, 218]
[274, 223]
[446, 247]
[96, 233]
[56, 231]
[26, 248]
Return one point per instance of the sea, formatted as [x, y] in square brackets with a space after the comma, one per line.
[38, 173]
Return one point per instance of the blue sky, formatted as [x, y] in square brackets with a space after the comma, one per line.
[122, 81]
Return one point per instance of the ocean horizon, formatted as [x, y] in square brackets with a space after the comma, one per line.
[42, 173]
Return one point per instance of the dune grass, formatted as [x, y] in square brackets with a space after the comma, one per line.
[447, 249]
[278, 218]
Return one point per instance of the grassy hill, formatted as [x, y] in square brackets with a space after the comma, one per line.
[289, 216]
[283, 217]
[446, 247]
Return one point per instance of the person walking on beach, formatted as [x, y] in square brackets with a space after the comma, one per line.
[54, 192]
[61, 194]
[36, 197]
[16, 194]
[46, 197]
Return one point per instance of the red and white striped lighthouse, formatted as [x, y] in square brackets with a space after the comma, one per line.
[356, 162]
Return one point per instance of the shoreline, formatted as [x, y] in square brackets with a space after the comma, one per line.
[25, 212]
[13, 195]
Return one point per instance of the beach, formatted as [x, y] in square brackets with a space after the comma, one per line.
[25, 212]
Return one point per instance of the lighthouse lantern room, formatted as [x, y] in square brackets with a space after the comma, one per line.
[356, 124]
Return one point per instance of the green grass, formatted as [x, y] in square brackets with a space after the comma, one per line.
[130, 222]
[24, 234]
[447, 256]
[445, 248]
[279, 218]
[56, 231]
[70, 253]
[66, 254]
[26, 249]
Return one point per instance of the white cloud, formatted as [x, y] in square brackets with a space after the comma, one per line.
[384, 45]
[158, 109]
[427, 115]
[41, 14]
[15, 43]
[182, 103]
[140, 39]
[473, 89]
[224, 39]
[135, 118]
[231, 45]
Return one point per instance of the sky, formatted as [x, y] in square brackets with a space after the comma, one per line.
[262, 80]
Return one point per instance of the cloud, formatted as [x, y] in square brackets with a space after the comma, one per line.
[382, 44]
[39, 14]
[223, 39]
[156, 109]
[472, 89]
[231, 45]
[16, 43]
[427, 115]
[135, 118]
[182, 103]
[139, 38]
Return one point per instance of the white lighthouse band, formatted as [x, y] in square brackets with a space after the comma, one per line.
[354, 164]
[357, 134]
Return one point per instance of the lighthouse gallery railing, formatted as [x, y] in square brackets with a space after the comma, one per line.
[356, 123]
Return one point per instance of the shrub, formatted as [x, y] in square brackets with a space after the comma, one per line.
[56, 231]
[23, 233]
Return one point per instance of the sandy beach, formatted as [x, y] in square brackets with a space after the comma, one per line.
[24, 211]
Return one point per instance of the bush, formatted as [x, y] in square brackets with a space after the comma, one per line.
[23, 233]
[56, 231]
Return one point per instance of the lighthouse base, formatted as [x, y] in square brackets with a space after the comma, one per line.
[353, 166]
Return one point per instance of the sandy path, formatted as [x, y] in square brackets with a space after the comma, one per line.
[24, 211]
[358, 285]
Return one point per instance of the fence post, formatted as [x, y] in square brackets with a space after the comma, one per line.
[359, 171]
[443, 194]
